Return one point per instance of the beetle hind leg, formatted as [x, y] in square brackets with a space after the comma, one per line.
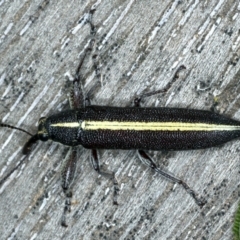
[147, 160]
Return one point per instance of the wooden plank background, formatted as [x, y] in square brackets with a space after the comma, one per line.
[140, 46]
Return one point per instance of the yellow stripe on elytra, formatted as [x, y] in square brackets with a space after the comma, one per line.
[146, 126]
[67, 124]
[155, 126]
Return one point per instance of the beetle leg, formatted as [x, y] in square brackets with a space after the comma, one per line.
[150, 163]
[76, 98]
[87, 101]
[76, 95]
[68, 174]
[176, 76]
[110, 175]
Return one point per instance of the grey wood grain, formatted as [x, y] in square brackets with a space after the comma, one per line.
[140, 46]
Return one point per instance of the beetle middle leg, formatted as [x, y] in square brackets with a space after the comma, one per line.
[110, 175]
[137, 100]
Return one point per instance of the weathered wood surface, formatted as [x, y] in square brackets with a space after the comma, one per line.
[141, 45]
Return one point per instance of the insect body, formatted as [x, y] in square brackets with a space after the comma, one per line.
[105, 127]
[139, 128]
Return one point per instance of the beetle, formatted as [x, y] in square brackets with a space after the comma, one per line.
[141, 128]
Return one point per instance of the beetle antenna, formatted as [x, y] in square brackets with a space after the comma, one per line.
[12, 127]
[13, 170]
[26, 150]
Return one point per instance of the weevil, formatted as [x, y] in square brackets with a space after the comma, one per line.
[141, 128]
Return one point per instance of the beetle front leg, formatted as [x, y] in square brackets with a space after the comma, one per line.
[109, 175]
[68, 174]
[150, 163]
[77, 98]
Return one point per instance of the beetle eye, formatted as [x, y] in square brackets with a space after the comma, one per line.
[43, 137]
